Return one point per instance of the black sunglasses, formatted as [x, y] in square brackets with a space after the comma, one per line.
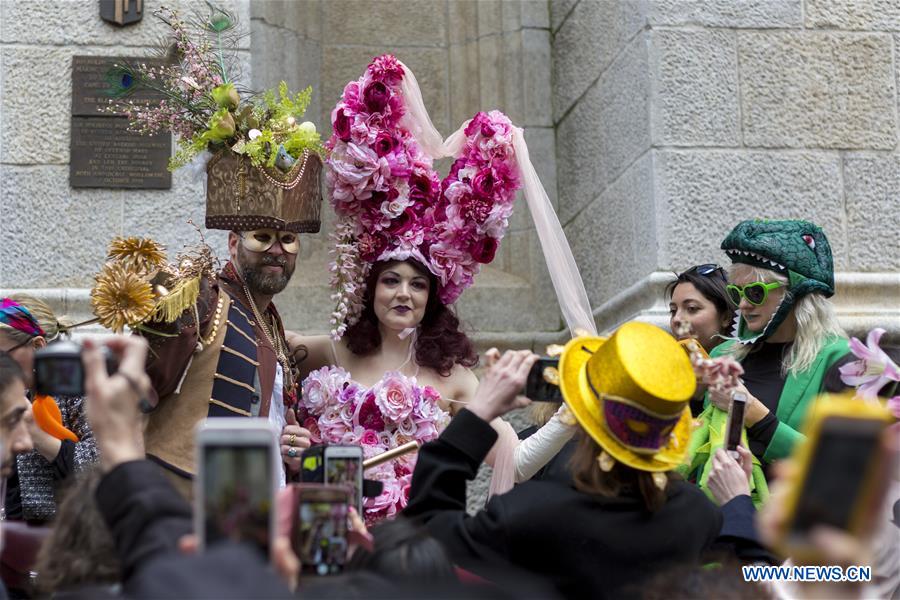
[706, 270]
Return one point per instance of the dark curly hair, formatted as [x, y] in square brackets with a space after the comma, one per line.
[439, 344]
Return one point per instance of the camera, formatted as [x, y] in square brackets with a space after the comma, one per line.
[58, 370]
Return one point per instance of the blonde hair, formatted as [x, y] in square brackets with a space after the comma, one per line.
[814, 316]
[541, 412]
[52, 325]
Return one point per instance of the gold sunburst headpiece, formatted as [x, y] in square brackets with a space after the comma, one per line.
[121, 297]
[140, 254]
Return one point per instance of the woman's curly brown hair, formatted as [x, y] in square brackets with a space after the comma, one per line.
[439, 343]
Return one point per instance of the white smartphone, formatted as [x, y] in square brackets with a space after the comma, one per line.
[343, 466]
[236, 482]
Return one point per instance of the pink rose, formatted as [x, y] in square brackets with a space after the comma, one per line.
[393, 396]
[369, 438]
[313, 426]
[483, 250]
[376, 96]
[403, 223]
[331, 427]
[405, 484]
[427, 431]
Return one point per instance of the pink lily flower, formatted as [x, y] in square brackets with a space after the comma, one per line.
[874, 369]
[894, 406]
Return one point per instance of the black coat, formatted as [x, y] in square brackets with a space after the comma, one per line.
[146, 517]
[585, 545]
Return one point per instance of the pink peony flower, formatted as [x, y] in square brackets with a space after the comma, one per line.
[375, 96]
[393, 395]
[483, 251]
[340, 122]
[386, 68]
[369, 414]
[384, 143]
[483, 183]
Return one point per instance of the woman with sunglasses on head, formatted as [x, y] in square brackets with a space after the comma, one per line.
[27, 325]
[787, 335]
[697, 298]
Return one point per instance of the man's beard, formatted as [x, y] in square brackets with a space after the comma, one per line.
[257, 281]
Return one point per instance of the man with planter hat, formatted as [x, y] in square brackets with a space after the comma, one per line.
[622, 517]
[227, 356]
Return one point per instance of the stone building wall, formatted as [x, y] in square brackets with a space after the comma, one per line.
[684, 117]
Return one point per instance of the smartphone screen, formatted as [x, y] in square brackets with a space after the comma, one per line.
[735, 421]
[321, 531]
[843, 460]
[539, 389]
[237, 494]
[344, 470]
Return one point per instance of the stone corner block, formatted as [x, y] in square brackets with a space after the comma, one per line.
[818, 89]
[853, 15]
[757, 14]
[695, 92]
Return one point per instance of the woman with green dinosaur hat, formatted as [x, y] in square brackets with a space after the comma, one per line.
[786, 337]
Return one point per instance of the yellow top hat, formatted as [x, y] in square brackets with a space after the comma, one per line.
[630, 393]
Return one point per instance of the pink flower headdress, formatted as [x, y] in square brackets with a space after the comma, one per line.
[392, 205]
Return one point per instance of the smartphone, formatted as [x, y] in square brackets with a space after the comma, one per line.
[58, 370]
[321, 527]
[735, 425]
[842, 475]
[236, 482]
[344, 466]
[537, 388]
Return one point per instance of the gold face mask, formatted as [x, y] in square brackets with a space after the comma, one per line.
[261, 240]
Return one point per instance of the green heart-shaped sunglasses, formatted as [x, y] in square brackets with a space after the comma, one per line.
[756, 293]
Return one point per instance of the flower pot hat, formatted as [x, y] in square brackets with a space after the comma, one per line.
[261, 163]
[798, 250]
[244, 197]
[631, 394]
[392, 205]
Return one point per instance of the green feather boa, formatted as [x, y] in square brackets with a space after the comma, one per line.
[708, 437]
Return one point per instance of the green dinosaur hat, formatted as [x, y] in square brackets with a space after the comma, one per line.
[798, 250]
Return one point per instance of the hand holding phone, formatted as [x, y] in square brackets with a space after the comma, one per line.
[234, 490]
[321, 528]
[344, 466]
[841, 476]
[540, 386]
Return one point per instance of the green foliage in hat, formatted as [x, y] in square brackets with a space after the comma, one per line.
[201, 104]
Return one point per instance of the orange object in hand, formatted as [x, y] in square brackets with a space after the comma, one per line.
[48, 418]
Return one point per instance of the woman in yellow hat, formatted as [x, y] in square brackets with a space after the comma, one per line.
[622, 517]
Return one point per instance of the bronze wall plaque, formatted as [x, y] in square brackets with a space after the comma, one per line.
[104, 153]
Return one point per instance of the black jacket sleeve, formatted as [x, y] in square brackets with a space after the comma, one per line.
[438, 493]
[738, 536]
[145, 514]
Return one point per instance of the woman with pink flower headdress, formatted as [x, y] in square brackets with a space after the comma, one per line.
[406, 245]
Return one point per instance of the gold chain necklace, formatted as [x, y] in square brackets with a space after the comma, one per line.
[276, 345]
